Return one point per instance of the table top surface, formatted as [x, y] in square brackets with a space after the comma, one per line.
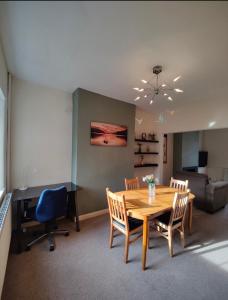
[35, 191]
[139, 205]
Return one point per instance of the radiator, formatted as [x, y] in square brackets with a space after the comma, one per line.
[5, 236]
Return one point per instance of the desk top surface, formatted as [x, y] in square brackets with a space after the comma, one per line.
[35, 191]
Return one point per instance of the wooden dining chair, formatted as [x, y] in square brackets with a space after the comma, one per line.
[132, 184]
[121, 222]
[181, 185]
[174, 220]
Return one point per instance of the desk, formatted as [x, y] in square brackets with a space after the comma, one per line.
[34, 192]
[140, 207]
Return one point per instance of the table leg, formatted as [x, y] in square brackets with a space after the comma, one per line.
[18, 227]
[145, 242]
[190, 205]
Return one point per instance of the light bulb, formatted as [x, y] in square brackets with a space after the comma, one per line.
[165, 94]
[145, 96]
[178, 90]
[135, 88]
[141, 90]
[170, 98]
[144, 81]
[177, 78]
[137, 98]
[163, 85]
[151, 101]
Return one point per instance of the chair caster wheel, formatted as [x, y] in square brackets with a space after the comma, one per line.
[66, 234]
[51, 248]
[28, 248]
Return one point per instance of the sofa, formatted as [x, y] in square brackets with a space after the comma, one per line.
[210, 195]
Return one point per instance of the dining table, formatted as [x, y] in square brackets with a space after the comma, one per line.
[140, 206]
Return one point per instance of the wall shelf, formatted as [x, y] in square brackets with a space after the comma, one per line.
[147, 153]
[146, 165]
[146, 141]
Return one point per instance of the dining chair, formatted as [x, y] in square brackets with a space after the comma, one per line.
[132, 184]
[165, 224]
[181, 185]
[121, 222]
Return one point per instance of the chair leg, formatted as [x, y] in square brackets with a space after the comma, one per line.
[51, 241]
[170, 241]
[111, 236]
[126, 248]
[182, 237]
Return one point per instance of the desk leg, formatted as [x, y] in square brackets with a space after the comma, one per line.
[18, 227]
[145, 242]
[74, 208]
[190, 216]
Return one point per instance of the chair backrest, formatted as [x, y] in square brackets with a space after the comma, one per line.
[179, 184]
[180, 203]
[51, 204]
[132, 184]
[117, 208]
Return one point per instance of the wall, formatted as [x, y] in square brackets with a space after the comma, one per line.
[190, 149]
[196, 115]
[3, 73]
[216, 143]
[168, 167]
[144, 123]
[41, 135]
[98, 167]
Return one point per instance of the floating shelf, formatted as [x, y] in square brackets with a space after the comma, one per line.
[146, 141]
[146, 153]
[146, 165]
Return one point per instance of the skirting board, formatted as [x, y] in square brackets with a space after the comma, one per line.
[93, 214]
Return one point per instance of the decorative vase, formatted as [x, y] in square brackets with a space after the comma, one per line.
[151, 190]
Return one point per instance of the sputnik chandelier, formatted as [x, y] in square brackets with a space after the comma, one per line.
[151, 91]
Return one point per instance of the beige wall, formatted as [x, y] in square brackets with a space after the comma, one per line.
[145, 123]
[3, 73]
[41, 137]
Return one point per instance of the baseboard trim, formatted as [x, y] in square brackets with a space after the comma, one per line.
[93, 214]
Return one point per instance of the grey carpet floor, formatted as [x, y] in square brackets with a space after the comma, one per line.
[83, 267]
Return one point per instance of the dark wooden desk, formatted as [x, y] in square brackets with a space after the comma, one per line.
[19, 197]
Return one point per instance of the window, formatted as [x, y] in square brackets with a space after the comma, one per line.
[2, 144]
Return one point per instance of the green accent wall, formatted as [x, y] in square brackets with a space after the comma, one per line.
[96, 167]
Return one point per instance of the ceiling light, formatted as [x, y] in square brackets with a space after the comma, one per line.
[177, 78]
[178, 90]
[137, 98]
[211, 124]
[156, 89]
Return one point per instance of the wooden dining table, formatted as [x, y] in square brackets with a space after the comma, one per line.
[140, 206]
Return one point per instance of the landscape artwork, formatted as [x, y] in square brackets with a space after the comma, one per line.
[105, 134]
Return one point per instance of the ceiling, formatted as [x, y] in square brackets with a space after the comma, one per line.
[108, 47]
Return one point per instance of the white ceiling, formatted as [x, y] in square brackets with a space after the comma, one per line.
[108, 47]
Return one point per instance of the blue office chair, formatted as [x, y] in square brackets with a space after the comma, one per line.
[51, 205]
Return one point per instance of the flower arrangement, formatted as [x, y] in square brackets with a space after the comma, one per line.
[149, 179]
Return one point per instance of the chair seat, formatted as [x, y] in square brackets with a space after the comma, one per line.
[133, 223]
[165, 218]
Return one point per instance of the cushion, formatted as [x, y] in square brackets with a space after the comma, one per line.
[133, 223]
[165, 219]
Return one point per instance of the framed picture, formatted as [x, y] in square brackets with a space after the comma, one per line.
[105, 134]
[165, 149]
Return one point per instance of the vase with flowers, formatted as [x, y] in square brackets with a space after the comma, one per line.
[150, 180]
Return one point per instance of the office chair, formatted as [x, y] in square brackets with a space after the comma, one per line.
[51, 205]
